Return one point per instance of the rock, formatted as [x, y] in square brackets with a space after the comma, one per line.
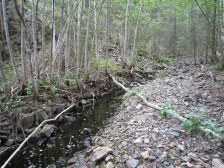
[69, 119]
[170, 166]
[152, 158]
[197, 96]
[86, 130]
[109, 165]
[174, 131]
[101, 153]
[181, 147]
[132, 163]
[163, 157]
[206, 146]
[144, 155]
[47, 130]
[216, 163]
[41, 115]
[138, 141]
[9, 142]
[26, 120]
[146, 141]
[4, 124]
[109, 158]
[61, 162]
[138, 106]
[73, 160]
[48, 111]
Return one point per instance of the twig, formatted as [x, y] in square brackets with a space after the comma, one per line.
[21, 145]
[175, 115]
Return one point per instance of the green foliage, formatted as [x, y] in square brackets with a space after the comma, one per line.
[160, 59]
[28, 88]
[47, 86]
[9, 104]
[142, 51]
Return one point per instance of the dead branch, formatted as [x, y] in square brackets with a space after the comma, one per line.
[175, 115]
[21, 145]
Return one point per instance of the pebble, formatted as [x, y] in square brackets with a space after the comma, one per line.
[132, 163]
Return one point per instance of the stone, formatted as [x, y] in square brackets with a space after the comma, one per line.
[26, 120]
[181, 147]
[174, 131]
[9, 142]
[73, 160]
[41, 115]
[139, 106]
[138, 141]
[47, 130]
[48, 111]
[163, 157]
[69, 119]
[109, 165]
[132, 163]
[109, 158]
[152, 158]
[206, 146]
[146, 141]
[144, 155]
[86, 130]
[101, 153]
[216, 163]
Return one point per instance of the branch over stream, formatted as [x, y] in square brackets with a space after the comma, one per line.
[175, 115]
[21, 145]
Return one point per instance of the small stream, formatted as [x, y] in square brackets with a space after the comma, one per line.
[69, 138]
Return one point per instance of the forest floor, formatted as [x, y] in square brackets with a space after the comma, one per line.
[137, 136]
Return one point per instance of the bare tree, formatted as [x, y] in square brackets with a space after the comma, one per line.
[60, 43]
[107, 37]
[86, 40]
[35, 37]
[136, 31]
[2, 74]
[8, 40]
[43, 38]
[123, 59]
[23, 58]
[219, 34]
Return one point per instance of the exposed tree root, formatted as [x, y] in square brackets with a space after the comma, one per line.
[175, 115]
[44, 122]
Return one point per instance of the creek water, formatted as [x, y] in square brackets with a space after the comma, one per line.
[69, 138]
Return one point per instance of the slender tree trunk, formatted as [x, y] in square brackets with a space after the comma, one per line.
[43, 38]
[123, 59]
[86, 40]
[2, 74]
[52, 39]
[78, 39]
[213, 29]
[67, 43]
[34, 83]
[60, 43]
[136, 31]
[8, 40]
[107, 37]
[219, 35]
[23, 58]
[35, 38]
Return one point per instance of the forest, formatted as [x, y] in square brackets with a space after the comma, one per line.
[61, 53]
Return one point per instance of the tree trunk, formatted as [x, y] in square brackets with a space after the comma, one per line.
[8, 40]
[67, 43]
[107, 38]
[23, 58]
[2, 74]
[60, 43]
[86, 40]
[78, 39]
[52, 39]
[136, 31]
[219, 35]
[123, 59]
[35, 38]
[43, 38]
[213, 29]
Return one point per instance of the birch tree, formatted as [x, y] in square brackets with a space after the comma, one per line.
[123, 59]
[67, 43]
[35, 37]
[23, 58]
[86, 40]
[43, 38]
[8, 40]
[60, 43]
[136, 31]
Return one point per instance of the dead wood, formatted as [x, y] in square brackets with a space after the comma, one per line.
[175, 115]
[44, 122]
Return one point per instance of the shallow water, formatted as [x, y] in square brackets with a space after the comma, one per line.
[68, 139]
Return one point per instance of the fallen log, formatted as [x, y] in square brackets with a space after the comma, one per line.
[175, 115]
[44, 122]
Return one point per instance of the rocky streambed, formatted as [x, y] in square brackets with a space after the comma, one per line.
[137, 136]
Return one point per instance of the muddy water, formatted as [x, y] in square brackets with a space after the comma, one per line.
[69, 137]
